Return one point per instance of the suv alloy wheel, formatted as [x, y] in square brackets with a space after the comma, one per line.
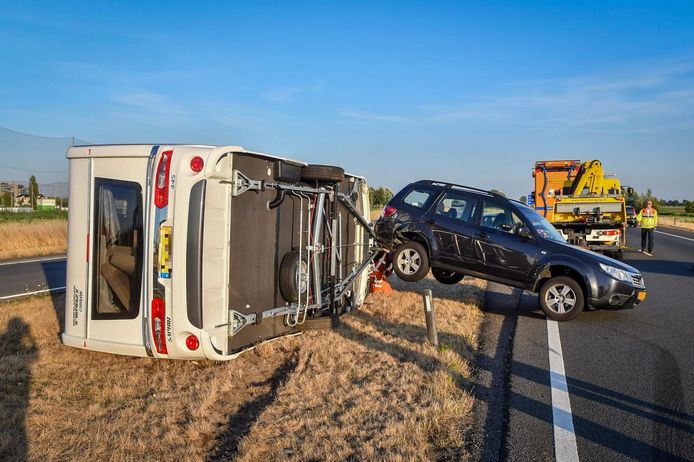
[561, 298]
[410, 261]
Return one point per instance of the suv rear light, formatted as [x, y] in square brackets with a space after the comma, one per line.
[388, 211]
[158, 324]
[161, 188]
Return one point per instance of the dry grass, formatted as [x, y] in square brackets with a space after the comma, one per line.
[25, 239]
[372, 389]
[387, 394]
[676, 222]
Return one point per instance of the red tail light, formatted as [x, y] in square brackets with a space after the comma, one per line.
[611, 232]
[192, 342]
[388, 211]
[161, 187]
[196, 164]
[159, 324]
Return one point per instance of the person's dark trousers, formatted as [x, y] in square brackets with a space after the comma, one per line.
[647, 235]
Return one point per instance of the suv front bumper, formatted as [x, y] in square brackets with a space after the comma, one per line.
[618, 294]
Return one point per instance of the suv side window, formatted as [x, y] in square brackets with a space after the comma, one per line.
[458, 206]
[418, 197]
[499, 216]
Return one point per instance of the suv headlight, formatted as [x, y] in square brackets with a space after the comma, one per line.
[615, 272]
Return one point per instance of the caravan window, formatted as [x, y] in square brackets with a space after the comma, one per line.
[117, 249]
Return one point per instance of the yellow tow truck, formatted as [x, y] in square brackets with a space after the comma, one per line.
[589, 210]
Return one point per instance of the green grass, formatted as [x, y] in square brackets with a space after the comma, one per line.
[9, 217]
[675, 211]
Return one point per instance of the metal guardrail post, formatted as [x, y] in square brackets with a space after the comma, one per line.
[430, 316]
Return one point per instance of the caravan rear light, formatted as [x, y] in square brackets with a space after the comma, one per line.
[611, 232]
[192, 342]
[196, 164]
[161, 189]
[388, 211]
[158, 324]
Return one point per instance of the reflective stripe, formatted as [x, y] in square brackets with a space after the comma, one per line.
[648, 219]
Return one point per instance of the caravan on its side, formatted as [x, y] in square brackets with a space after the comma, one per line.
[189, 252]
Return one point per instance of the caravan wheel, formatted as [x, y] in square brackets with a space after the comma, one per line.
[292, 275]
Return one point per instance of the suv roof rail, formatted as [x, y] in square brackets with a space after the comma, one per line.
[470, 188]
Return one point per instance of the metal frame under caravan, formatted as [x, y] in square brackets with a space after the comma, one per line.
[188, 252]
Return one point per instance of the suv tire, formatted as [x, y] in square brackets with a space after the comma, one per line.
[562, 298]
[447, 277]
[410, 261]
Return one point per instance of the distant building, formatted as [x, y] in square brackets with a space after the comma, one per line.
[13, 188]
[22, 200]
[45, 203]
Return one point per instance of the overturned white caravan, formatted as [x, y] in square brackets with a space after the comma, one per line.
[189, 252]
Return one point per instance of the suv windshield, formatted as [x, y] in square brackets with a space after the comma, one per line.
[543, 227]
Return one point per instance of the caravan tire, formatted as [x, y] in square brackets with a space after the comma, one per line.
[288, 277]
[323, 173]
[320, 323]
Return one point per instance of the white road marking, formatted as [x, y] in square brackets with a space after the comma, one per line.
[19, 262]
[565, 449]
[674, 235]
[36, 292]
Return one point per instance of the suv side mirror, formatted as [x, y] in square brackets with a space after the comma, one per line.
[524, 232]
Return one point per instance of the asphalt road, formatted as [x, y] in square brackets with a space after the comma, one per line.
[630, 373]
[31, 275]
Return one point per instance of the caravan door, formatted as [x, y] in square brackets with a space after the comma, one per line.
[116, 309]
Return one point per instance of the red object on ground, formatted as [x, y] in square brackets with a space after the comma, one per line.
[377, 278]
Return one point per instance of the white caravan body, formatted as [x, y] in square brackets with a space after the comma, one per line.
[177, 251]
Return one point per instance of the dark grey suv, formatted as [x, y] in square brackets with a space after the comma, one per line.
[457, 230]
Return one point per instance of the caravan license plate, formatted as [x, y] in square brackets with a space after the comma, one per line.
[165, 252]
[641, 296]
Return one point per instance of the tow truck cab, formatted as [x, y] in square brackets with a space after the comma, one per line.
[174, 250]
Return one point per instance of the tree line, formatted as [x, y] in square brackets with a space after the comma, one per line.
[378, 197]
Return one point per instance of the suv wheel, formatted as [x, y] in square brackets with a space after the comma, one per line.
[447, 277]
[410, 261]
[561, 298]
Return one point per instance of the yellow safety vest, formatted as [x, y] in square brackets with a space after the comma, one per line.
[648, 218]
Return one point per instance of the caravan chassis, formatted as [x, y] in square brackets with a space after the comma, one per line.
[295, 313]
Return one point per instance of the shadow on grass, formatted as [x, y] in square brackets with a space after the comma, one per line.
[240, 423]
[17, 353]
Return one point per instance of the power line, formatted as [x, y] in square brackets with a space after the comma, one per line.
[33, 170]
[41, 136]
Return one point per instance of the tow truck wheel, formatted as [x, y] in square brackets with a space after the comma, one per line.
[447, 277]
[322, 173]
[410, 261]
[561, 298]
[292, 269]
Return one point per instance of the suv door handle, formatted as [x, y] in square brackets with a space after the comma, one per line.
[431, 221]
[482, 235]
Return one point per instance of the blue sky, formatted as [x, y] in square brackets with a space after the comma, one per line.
[471, 92]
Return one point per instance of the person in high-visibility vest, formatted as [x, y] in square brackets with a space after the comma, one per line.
[648, 220]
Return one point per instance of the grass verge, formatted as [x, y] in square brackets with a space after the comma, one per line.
[32, 238]
[38, 215]
[677, 222]
[372, 389]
